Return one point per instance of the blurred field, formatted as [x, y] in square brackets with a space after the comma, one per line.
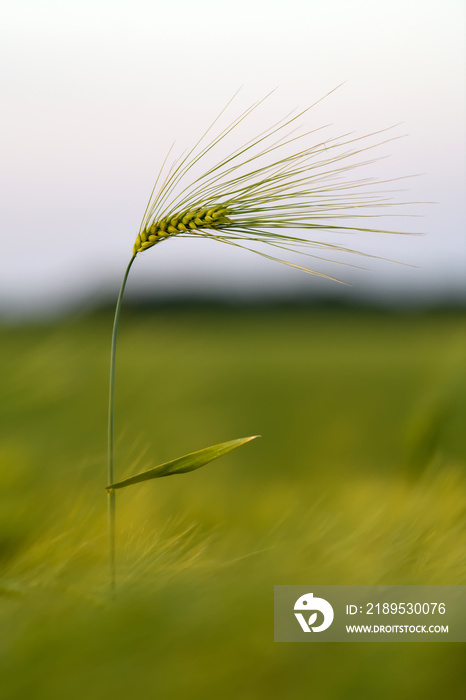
[359, 477]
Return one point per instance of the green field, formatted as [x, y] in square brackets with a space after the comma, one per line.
[359, 478]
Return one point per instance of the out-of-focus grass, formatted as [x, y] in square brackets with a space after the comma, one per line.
[358, 478]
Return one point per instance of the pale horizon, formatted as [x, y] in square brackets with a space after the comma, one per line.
[93, 95]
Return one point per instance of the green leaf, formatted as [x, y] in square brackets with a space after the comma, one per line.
[187, 463]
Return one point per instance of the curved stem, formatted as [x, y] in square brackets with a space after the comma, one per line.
[111, 415]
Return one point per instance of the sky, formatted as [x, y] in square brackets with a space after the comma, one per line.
[93, 94]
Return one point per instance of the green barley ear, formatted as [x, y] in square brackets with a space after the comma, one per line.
[193, 219]
[259, 194]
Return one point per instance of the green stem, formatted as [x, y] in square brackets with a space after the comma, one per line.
[111, 414]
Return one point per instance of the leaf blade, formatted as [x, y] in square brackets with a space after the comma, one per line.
[186, 463]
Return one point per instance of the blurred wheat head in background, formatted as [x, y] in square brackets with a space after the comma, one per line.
[280, 181]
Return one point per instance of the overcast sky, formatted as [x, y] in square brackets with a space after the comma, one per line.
[93, 93]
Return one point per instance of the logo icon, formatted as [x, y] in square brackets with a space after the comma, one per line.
[308, 603]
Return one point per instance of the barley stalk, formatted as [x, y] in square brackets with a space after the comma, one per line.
[111, 500]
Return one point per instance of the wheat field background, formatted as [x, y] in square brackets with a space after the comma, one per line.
[359, 478]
